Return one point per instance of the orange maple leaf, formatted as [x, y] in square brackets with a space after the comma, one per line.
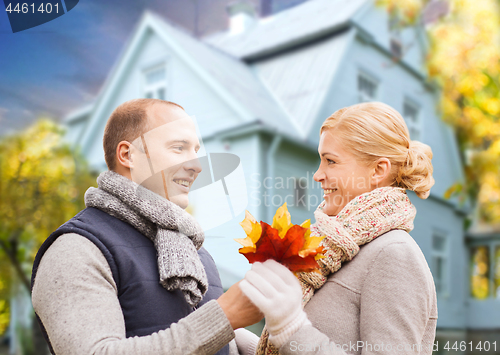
[287, 243]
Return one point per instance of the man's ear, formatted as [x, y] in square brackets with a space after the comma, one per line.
[123, 156]
[381, 172]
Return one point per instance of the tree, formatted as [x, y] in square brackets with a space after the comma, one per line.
[42, 182]
[464, 59]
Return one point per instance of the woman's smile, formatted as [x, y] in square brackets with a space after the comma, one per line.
[327, 192]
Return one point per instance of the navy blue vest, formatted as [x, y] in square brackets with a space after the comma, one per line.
[147, 306]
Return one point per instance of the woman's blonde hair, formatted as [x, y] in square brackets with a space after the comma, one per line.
[374, 130]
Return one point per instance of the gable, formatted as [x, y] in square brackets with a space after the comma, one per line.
[232, 78]
[183, 86]
[221, 91]
[299, 79]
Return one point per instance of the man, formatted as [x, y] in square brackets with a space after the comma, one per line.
[129, 275]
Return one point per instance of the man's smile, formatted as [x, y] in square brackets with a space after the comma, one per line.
[184, 183]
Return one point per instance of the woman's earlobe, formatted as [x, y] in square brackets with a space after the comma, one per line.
[381, 172]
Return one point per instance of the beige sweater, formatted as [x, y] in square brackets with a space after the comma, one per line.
[381, 302]
[75, 296]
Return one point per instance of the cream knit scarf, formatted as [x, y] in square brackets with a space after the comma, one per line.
[175, 233]
[364, 218]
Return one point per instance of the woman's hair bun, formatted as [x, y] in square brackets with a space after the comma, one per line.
[374, 130]
[416, 172]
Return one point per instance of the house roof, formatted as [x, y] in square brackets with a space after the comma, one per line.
[79, 113]
[301, 79]
[275, 92]
[233, 79]
[236, 77]
[297, 25]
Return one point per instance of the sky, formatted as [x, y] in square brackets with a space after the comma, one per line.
[57, 67]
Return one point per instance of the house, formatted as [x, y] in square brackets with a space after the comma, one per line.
[262, 89]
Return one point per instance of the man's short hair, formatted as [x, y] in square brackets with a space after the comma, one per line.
[127, 122]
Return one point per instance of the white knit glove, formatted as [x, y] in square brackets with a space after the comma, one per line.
[246, 341]
[277, 293]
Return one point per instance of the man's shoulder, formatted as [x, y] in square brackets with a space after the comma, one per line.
[104, 230]
[71, 255]
[73, 248]
[71, 242]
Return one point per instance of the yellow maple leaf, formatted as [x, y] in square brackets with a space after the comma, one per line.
[282, 221]
[253, 230]
[307, 224]
[311, 244]
[283, 241]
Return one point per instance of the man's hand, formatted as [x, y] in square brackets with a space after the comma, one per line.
[239, 310]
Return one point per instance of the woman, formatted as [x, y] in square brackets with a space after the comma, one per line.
[375, 293]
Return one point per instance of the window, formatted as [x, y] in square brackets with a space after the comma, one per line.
[367, 88]
[155, 83]
[396, 48]
[300, 192]
[411, 114]
[439, 262]
[480, 270]
[395, 39]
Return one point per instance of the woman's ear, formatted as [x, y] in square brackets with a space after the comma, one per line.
[123, 156]
[381, 173]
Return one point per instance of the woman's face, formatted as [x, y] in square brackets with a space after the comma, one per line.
[342, 177]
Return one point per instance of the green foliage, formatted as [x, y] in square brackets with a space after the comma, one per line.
[42, 182]
[4, 315]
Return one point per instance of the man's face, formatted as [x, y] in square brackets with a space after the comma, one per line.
[165, 158]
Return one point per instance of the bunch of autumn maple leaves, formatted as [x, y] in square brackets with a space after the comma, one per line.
[289, 244]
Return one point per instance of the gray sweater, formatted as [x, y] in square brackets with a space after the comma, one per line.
[75, 296]
[381, 302]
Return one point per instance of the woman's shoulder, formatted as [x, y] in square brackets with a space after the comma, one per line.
[395, 253]
[395, 247]
[394, 236]
[391, 245]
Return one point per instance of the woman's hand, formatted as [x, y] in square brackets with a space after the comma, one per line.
[277, 293]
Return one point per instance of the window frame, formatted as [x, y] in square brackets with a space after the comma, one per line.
[298, 187]
[155, 87]
[478, 244]
[492, 244]
[395, 37]
[362, 97]
[412, 125]
[444, 283]
[493, 267]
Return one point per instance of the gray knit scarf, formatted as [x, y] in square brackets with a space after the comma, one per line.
[175, 233]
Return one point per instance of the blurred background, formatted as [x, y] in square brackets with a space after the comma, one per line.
[260, 76]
